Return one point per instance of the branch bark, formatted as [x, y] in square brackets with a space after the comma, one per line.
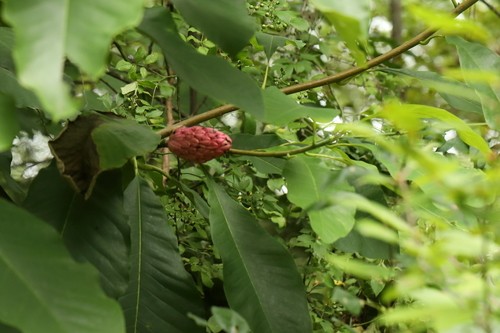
[339, 77]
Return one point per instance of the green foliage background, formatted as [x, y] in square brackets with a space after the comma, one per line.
[361, 193]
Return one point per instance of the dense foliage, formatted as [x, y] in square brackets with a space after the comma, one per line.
[361, 192]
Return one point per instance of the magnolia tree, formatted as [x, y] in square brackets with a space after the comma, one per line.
[249, 166]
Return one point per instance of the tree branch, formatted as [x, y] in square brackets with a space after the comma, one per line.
[339, 77]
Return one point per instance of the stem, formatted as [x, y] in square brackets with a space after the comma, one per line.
[282, 153]
[325, 81]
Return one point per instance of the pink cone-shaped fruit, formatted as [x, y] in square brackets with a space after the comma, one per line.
[198, 144]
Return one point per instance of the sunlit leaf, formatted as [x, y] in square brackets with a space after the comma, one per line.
[409, 117]
[229, 320]
[39, 276]
[350, 19]
[457, 94]
[273, 299]
[476, 57]
[80, 30]
[447, 24]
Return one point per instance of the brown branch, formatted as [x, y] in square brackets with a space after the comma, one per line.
[325, 81]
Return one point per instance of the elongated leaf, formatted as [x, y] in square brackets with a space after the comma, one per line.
[226, 22]
[10, 86]
[6, 45]
[409, 116]
[94, 230]
[38, 275]
[447, 24]
[80, 30]
[281, 109]
[8, 122]
[350, 19]
[457, 94]
[161, 293]
[209, 75]
[261, 281]
[476, 57]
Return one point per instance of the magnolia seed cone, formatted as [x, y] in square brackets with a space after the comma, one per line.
[198, 144]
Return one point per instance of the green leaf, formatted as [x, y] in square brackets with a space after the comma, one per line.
[447, 24]
[270, 43]
[94, 230]
[267, 165]
[157, 272]
[476, 57]
[350, 19]
[357, 241]
[14, 191]
[229, 320]
[9, 126]
[313, 188]
[261, 281]
[226, 22]
[333, 222]
[6, 45]
[308, 182]
[10, 86]
[360, 268]
[457, 94]
[39, 276]
[409, 117]
[209, 75]
[281, 109]
[250, 141]
[95, 143]
[80, 30]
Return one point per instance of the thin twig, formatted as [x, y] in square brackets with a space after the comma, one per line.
[284, 152]
[325, 81]
[490, 7]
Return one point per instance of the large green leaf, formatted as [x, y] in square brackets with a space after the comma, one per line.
[350, 19]
[409, 117]
[474, 57]
[209, 75]
[94, 230]
[10, 86]
[43, 289]
[261, 281]
[161, 293]
[47, 31]
[314, 188]
[95, 143]
[6, 45]
[8, 122]
[226, 22]
[281, 109]
[457, 94]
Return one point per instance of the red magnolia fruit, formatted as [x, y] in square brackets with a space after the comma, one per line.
[198, 144]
